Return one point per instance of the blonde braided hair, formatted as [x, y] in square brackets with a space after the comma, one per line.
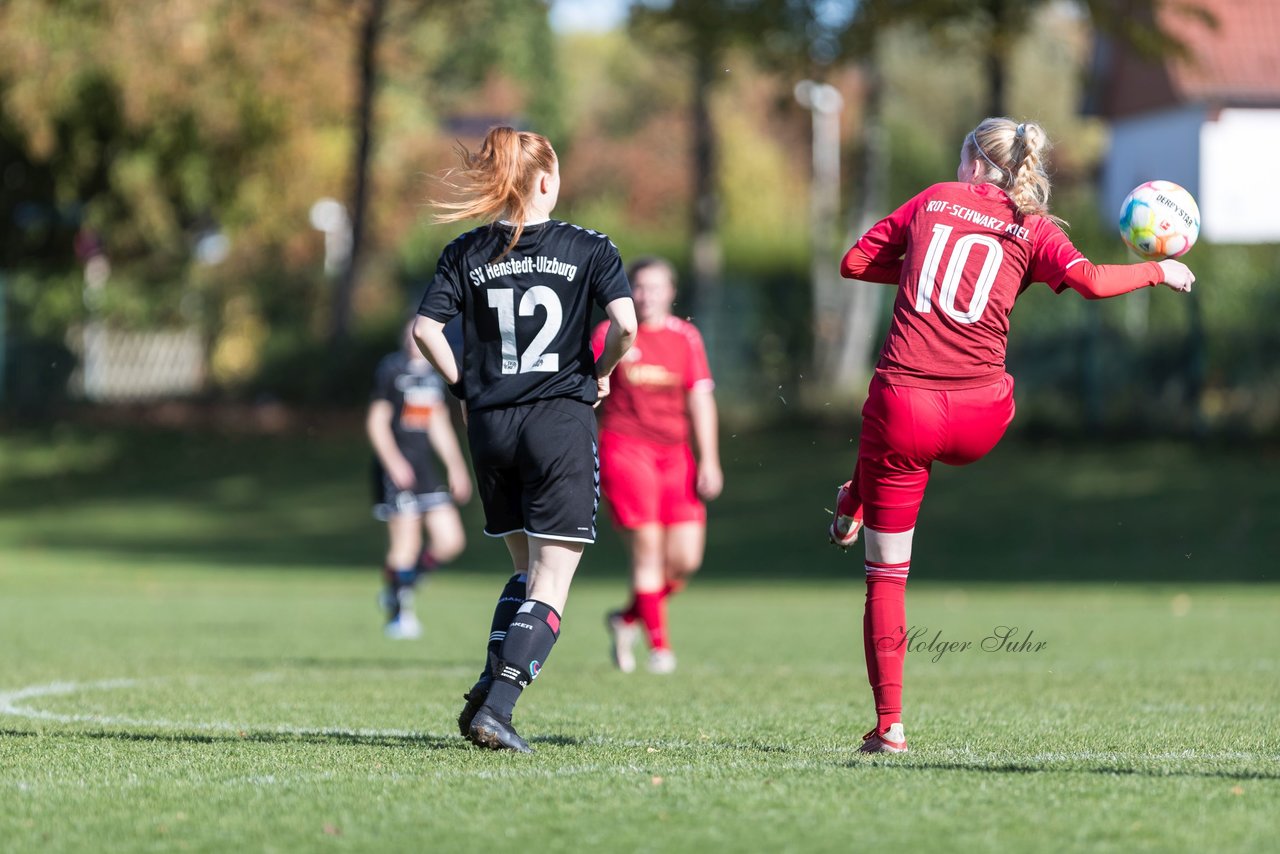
[1014, 156]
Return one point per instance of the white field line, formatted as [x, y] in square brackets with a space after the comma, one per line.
[14, 704]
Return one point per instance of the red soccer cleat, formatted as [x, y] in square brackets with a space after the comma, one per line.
[892, 740]
[847, 523]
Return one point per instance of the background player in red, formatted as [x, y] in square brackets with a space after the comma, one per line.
[409, 426]
[960, 254]
[648, 471]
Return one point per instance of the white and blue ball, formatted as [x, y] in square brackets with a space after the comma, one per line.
[1159, 220]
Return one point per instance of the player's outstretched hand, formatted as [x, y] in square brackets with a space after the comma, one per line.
[1177, 275]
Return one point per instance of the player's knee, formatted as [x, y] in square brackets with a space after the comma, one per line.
[682, 566]
[647, 544]
[647, 575]
[444, 548]
[403, 557]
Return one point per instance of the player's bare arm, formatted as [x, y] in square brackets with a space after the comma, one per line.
[445, 443]
[378, 426]
[429, 333]
[621, 335]
[705, 421]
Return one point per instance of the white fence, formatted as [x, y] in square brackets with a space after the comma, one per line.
[118, 366]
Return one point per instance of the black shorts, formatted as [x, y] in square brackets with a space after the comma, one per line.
[538, 469]
[429, 491]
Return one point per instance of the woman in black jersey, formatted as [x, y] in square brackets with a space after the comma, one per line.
[418, 475]
[525, 284]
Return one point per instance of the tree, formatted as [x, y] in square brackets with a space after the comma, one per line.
[702, 31]
[999, 26]
[845, 354]
[474, 49]
[368, 32]
[795, 38]
[149, 153]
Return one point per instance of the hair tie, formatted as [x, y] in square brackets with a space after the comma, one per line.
[1021, 131]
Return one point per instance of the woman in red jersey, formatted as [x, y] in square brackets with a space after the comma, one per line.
[960, 253]
[648, 471]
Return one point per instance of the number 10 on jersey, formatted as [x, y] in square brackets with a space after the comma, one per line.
[950, 285]
[535, 359]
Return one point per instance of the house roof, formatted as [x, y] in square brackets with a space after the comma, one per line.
[1234, 61]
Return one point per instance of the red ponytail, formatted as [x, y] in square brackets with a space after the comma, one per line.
[499, 178]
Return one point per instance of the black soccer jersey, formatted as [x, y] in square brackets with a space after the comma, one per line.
[415, 391]
[527, 314]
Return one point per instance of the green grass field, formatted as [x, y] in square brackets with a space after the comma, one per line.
[191, 660]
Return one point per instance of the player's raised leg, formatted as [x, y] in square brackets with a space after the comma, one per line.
[846, 520]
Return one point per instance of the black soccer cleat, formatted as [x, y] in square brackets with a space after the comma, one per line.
[475, 699]
[488, 731]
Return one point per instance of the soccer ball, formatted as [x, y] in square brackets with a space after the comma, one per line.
[1159, 220]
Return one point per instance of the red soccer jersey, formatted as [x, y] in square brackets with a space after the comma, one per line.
[961, 256]
[647, 392]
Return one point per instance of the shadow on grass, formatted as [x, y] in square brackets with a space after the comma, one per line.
[1165, 511]
[336, 738]
[429, 742]
[557, 740]
[1023, 768]
[435, 742]
[324, 663]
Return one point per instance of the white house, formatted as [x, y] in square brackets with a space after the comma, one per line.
[1210, 122]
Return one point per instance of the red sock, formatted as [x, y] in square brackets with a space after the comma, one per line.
[884, 627]
[672, 588]
[653, 613]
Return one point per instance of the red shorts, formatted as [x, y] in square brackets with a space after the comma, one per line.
[905, 429]
[646, 482]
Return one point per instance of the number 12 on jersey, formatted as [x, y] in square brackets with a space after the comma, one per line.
[955, 269]
[536, 359]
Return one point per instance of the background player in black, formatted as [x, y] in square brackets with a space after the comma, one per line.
[412, 436]
[524, 284]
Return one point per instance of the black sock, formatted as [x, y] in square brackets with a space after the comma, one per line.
[503, 613]
[398, 581]
[528, 643]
